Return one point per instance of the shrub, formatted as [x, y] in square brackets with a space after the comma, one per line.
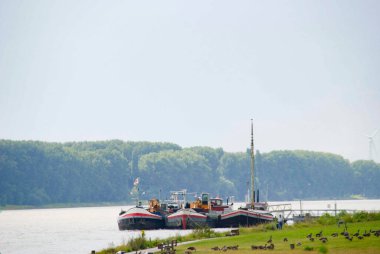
[327, 219]
[360, 216]
[373, 216]
[270, 226]
[204, 232]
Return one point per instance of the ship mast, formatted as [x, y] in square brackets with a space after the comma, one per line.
[252, 168]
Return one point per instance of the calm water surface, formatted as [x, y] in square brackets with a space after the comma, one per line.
[80, 230]
[65, 230]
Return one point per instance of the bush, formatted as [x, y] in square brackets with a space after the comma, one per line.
[327, 219]
[270, 226]
[373, 216]
[360, 216]
[204, 232]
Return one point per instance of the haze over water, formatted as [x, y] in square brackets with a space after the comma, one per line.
[80, 230]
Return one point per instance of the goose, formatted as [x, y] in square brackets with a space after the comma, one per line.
[357, 233]
[263, 247]
[285, 239]
[254, 247]
[234, 247]
[299, 244]
[319, 234]
[309, 235]
[334, 234]
[192, 248]
[311, 239]
[270, 240]
[345, 230]
[215, 248]
[271, 246]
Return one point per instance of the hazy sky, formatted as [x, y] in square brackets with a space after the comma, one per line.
[193, 73]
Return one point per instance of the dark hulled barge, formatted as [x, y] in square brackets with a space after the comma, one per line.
[139, 218]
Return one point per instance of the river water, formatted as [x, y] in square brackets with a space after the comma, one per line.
[80, 230]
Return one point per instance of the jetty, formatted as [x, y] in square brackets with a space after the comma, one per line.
[300, 214]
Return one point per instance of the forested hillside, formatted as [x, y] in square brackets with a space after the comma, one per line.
[39, 173]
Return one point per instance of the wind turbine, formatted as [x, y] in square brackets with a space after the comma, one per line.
[371, 144]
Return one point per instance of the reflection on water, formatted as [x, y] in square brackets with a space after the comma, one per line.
[80, 230]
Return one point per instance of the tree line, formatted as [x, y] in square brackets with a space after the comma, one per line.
[40, 173]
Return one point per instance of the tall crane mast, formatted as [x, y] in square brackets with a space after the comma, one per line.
[252, 168]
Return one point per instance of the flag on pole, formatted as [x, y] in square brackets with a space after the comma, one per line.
[136, 182]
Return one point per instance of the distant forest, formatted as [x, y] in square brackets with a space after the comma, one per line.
[41, 173]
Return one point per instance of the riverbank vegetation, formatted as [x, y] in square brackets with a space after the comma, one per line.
[36, 173]
[141, 242]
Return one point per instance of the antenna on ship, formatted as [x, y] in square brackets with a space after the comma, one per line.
[252, 168]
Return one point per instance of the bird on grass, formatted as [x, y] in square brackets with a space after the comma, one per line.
[349, 238]
[271, 246]
[285, 239]
[233, 247]
[224, 248]
[263, 247]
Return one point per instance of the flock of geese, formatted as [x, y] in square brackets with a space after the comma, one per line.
[269, 245]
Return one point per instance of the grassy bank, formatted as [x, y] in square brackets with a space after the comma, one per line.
[295, 234]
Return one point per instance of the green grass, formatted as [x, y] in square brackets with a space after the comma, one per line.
[260, 234]
[296, 234]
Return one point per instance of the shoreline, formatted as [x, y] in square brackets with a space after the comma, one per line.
[57, 206]
[108, 204]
